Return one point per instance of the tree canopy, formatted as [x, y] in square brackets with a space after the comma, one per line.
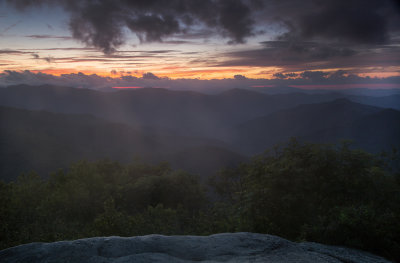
[324, 193]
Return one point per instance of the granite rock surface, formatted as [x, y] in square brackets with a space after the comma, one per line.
[229, 247]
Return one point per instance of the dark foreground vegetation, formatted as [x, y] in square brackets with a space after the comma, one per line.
[323, 193]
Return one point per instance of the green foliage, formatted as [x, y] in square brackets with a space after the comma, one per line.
[323, 193]
[111, 221]
[98, 199]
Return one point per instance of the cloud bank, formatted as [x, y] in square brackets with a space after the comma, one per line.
[338, 79]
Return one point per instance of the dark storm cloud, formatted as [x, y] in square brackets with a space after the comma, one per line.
[97, 24]
[298, 56]
[351, 21]
[235, 18]
[100, 23]
[288, 54]
[308, 34]
[309, 50]
[150, 28]
[339, 21]
[24, 4]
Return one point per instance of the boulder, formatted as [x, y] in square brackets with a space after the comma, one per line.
[228, 247]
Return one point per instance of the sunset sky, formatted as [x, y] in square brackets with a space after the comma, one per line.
[353, 41]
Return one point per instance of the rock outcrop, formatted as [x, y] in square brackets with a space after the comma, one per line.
[236, 247]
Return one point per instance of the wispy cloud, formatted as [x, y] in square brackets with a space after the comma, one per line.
[49, 26]
[14, 52]
[88, 49]
[2, 32]
[49, 37]
[178, 42]
[48, 59]
[295, 56]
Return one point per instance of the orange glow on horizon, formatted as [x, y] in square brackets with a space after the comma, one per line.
[209, 73]
[59, 72]
[204, 73]
[171, 72]
[379, 74]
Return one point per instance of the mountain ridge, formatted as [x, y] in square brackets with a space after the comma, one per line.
[304, 120]
[45, 141]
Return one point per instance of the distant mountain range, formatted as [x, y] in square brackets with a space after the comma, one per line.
[43, 142]
[392, 101]
[344, 91]
[183, 112]
[45, 128]
[369, 127]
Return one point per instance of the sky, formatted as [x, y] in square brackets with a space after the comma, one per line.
[320, 43]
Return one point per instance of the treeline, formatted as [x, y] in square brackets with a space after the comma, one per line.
[304, 192]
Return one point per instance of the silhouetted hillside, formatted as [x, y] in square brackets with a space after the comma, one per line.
[184, 112]
[327, 122]
[44, 141]
[160, 124]
[392, 101]
[374, 132]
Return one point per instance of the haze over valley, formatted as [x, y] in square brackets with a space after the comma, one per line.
[48, 127]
